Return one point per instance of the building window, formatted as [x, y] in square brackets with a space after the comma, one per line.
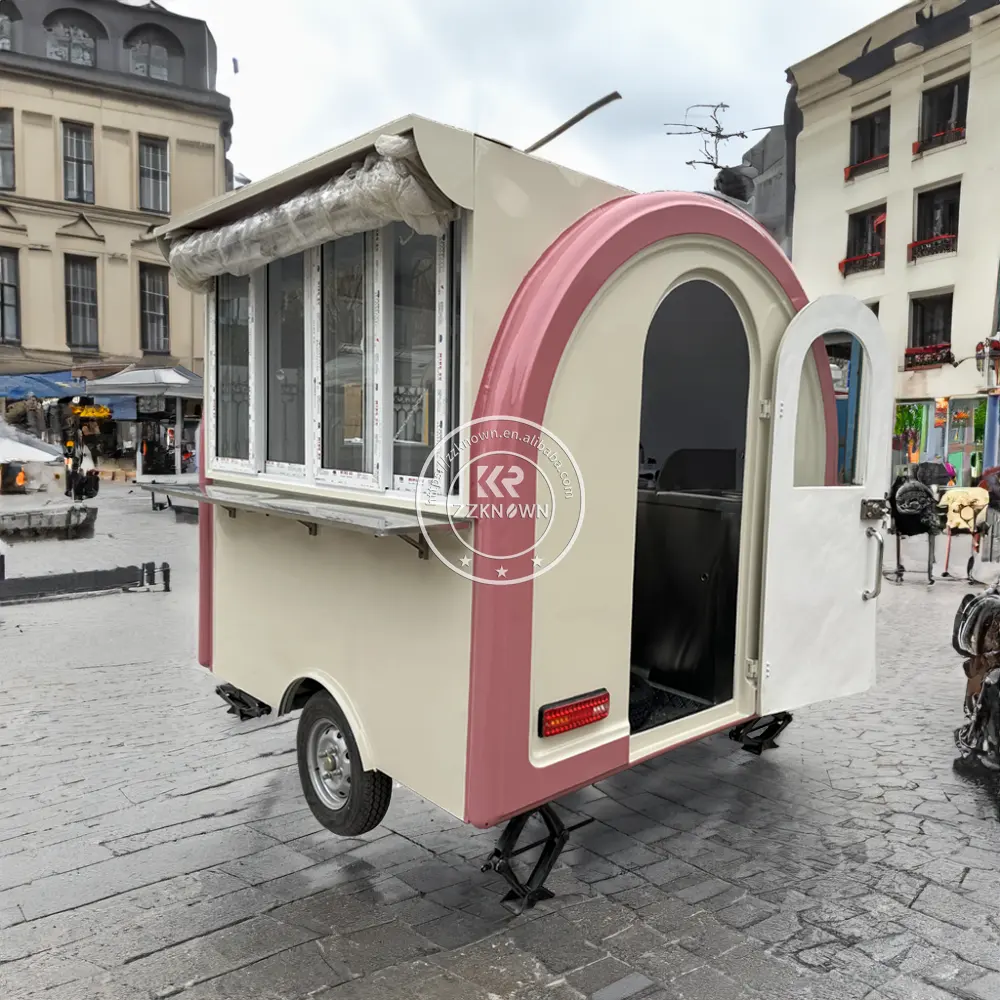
[344, 358]
[8, 14]
[286, 340]
[347, 445]
[155, 53]
[154, 175]
[149, 59]
[10, 329]
[6, 149]
[78, 162]
[943, 115]
[71, 42]
[869, 143]
[865, 239]
[81, 302]
[154, 308]
[232, 367]
[937, 222]
[930, 325]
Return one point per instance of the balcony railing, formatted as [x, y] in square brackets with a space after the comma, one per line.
[866, 262]
[938, 139]
[866, 166]
[933, 356]
[931, 246]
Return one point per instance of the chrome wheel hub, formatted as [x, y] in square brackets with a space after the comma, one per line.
[330, 765]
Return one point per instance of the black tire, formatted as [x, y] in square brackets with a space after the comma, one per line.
[368, 794]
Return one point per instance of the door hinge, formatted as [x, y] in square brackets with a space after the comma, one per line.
[753, 672]
[765, 409]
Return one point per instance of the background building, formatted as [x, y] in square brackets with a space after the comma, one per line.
[891, 168]
[109, 123]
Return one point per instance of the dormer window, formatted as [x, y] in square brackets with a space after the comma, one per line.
[8, 15]
[148, 58]
[72, 37]
[155, 53]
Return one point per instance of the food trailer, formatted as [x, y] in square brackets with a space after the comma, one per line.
[425, 336]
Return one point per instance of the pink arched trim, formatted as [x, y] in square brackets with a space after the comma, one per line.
[501, 780]
[206, 561]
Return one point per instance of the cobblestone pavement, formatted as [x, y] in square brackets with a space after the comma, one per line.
[151, 846]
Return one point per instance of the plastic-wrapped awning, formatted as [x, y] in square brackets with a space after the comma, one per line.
[390, 185]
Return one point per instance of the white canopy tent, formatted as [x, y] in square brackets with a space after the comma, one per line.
[176, 383]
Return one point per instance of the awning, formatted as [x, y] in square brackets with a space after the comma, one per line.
[48, 386]
[135, 381]
[390, 185]
[18, 448]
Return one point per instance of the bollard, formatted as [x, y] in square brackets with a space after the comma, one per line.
[3, 566]
[165, 571]
[149, 573]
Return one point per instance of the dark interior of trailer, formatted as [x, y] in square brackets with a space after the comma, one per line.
[695, 387]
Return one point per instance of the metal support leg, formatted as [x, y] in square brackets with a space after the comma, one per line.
[526, 894]
[930, 558]
[899, 558]
[947, 555]
[759, 735]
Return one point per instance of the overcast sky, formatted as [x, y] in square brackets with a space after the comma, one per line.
[513, 70]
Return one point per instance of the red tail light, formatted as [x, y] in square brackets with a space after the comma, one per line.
[565, 716]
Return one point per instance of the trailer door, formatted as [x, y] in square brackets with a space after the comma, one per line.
[824, 543]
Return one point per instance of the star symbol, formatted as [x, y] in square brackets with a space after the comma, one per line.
[537, 562]
[502, 571]
[466, 561]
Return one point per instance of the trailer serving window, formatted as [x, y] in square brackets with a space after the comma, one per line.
[335, 366]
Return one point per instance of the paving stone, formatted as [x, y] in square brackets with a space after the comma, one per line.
[378, 947]
[295, 974]
[987, 988]
[213, 955]
[624, 988]
[560, 944]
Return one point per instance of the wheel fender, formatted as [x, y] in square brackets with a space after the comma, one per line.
[343, 699]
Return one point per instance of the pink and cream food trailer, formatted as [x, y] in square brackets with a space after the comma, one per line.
[514, 479]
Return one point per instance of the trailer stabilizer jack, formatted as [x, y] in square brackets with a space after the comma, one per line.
[759, 735]
[244, 706]
[526, 894]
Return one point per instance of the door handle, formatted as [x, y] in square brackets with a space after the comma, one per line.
[870, 595]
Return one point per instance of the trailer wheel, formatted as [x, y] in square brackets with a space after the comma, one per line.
[346, 799]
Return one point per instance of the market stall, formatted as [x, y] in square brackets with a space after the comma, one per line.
[167, 413]
[427, 336]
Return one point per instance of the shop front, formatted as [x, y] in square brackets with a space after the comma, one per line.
[167, 410]
[948, 430]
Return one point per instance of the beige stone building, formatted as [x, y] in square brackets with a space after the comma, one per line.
[109, 123]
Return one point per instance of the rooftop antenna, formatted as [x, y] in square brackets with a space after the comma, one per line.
[587, 111]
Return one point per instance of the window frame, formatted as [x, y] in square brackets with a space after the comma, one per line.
[148, 41]
[147, 268]
[869, 123]
[925, 208]
[75, 258]
[161, 143]
[217, 463]
[73, 43]
[374, 355]
[919, 301]
[926, 128]
[11, 254]
[382, 484]
[11, 148]
[66, 160]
